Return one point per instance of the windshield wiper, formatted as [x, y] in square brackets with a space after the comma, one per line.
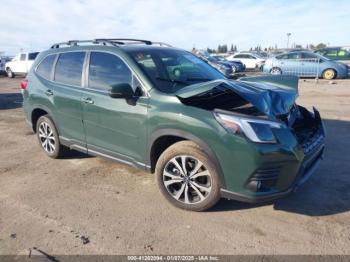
[171, 80]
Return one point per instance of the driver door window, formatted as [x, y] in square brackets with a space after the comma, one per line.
[106, 70]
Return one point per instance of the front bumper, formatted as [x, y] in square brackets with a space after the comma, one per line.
[306, 171]
[281, 170]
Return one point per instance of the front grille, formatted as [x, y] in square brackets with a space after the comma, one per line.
[313, 142]
[266, 174]
[307, 128]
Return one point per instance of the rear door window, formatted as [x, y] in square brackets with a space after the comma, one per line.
[69, 68]
[22, 57]
[106, 70]
[294, 56]
[45, 67]
[285, 56]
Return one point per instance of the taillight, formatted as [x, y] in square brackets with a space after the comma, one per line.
[24, 84]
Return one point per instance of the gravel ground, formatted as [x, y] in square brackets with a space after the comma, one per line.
[88, 205]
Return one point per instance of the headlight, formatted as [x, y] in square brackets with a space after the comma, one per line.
[259, 131]
[224, 67]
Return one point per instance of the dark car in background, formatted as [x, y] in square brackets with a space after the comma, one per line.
[237, 66]
[3, 61]
[335, 53]
[224, 68]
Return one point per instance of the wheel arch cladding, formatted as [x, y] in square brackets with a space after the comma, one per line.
[39, 111]
[161, 139]
[36, 114]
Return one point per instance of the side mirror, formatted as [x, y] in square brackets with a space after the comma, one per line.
[122, 90]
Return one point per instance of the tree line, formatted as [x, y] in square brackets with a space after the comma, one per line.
[233, 48]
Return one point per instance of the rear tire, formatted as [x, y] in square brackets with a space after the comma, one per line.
[329, 74]
[48, 137]
[9, 73]
[187, 177]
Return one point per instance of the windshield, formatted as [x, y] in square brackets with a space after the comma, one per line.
[170, 70]
[220, 58]
[32, 56]
[321, 56]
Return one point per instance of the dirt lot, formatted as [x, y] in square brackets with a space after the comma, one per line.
[87, 205]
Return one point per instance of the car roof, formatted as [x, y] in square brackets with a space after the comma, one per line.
[125, 48]
[136, 47]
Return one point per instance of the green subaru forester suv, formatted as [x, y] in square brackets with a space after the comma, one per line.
[166, 111]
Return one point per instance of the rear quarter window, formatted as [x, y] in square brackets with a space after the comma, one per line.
[45, 67]
[69, 68]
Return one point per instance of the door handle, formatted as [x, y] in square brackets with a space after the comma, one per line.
[48, 92]
[88, 100]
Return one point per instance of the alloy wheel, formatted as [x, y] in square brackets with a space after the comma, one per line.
[329, 74]
[47, 138]
[9, 73]
[187, 179]
[276, 71]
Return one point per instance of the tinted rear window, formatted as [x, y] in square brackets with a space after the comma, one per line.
[32, 56]
[69, 68]
[45, 67]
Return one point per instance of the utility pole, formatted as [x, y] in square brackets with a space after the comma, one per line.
[288, 35]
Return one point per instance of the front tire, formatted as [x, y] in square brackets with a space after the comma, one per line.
[329, 74]
[276, 71]
[187, 177]
[9, 73]
[48, 137]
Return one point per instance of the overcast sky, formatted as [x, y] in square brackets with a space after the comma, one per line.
[36, 24]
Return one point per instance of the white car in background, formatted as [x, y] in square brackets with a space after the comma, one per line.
[250, 60]
[20, 64]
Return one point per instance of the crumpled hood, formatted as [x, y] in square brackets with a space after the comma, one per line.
[271, 95]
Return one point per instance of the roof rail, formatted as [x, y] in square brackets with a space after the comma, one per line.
[110, 41]
[123, 41]
[76, 42]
